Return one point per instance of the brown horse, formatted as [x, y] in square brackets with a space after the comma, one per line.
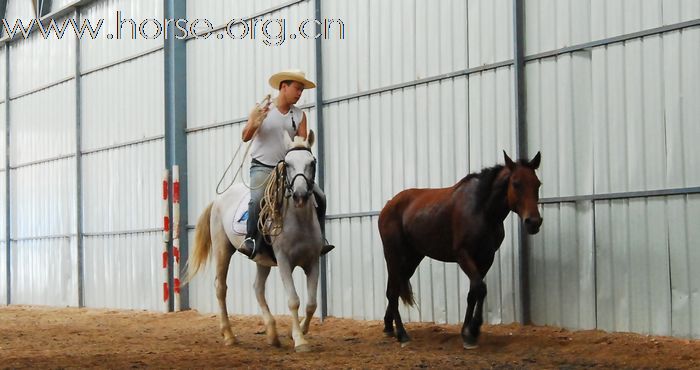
[463, 224]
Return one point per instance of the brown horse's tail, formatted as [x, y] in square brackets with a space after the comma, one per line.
[406, 293]
[202, 245]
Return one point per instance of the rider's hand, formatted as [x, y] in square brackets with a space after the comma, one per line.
[259, 113]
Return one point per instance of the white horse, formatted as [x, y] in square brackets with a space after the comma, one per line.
[298, 243]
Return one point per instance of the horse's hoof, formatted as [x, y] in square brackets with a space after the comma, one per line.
[230, 341]
[302, 348]
[274, 342]
[470, 345]
[405, 344]
[389, 333]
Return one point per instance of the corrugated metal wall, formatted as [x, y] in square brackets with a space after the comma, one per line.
[43, 172]
[122, 141]
[611, 119]
[222, 87]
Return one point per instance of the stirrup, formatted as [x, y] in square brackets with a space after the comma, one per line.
[250, 254]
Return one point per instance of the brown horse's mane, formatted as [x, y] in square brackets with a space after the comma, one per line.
[485, 191]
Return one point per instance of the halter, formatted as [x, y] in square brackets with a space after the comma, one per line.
[309, 182]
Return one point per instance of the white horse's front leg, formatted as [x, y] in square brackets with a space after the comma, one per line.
[300, 344]
[312, 286]
[270, 324]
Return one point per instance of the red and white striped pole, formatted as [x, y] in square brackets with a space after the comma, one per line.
[166, 239]
[176, 236]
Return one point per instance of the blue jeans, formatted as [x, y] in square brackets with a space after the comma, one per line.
[259, 175]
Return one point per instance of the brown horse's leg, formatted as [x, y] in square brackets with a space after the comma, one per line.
[472, 324]
[224, 250]
[411, 262]
[475, 301]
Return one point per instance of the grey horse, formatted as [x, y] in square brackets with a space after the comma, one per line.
[298, 242]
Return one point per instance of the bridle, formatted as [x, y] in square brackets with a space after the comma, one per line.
[309, 182]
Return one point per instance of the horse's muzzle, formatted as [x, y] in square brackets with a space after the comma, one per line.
[532, 224]
[300, 198]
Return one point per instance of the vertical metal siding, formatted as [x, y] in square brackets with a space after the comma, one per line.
[44, 272]
[121, 189]
[37, 62]
[101, 51]
[130, 109]
[42, 124]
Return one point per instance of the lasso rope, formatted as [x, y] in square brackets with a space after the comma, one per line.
[270, 220]
[258, 123]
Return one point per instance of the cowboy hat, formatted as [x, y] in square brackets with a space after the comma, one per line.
[290, 75]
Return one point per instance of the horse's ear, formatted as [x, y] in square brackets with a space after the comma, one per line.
[535, 162]
[311, 138]
[509, 162]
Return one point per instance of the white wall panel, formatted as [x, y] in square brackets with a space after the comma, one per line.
[226, 77]
[103, 50]
[2, 133]
[43, 124]
[122, 188]
[123, 103]
[37, 61]
[44, 272]
[43, 202]
[3, 273]
[490, 29]
[124, 271]
[3, 78]
[221, 11]
[19, 9]
[391, 42]
[554, 24]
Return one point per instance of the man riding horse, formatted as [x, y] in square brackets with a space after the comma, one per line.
[266, 126]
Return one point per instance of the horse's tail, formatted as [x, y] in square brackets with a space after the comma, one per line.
[406, 293]
[202, 245]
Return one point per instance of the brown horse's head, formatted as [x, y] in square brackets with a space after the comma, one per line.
[523, 191]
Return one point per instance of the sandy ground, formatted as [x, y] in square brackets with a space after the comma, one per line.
[38, 337]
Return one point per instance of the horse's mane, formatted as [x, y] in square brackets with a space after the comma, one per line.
[485, 191]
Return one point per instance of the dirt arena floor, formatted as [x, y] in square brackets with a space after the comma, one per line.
[36, 337]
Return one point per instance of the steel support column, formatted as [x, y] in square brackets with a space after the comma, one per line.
[521, 147]
[321, 147]
[175, 82]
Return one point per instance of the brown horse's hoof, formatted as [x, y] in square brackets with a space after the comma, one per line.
[389, 334]
[405, 344]
[302, 348]
[230, 341]
[470, 346]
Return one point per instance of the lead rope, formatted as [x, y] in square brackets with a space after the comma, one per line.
[263, 103]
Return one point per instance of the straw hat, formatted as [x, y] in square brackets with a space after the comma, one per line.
[290, 75]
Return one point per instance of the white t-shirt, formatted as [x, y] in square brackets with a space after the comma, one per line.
[268, 146]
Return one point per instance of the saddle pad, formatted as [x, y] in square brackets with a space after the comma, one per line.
[240, 221]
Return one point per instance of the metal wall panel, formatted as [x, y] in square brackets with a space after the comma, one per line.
[392, 42]
[19, 9]
[617, 119]
[122, 188]
[554, 24]
[227, 76]
[2, 80]
[559, 116]
[221, 11]
[37, 62]
[209, 152]
[122, 200]
[3, 273]
[43, 124]
[123, 43]
[44, 272]
[131, 108]
[490, 29]
[124, 271]
[43, 199]
[59, 4]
